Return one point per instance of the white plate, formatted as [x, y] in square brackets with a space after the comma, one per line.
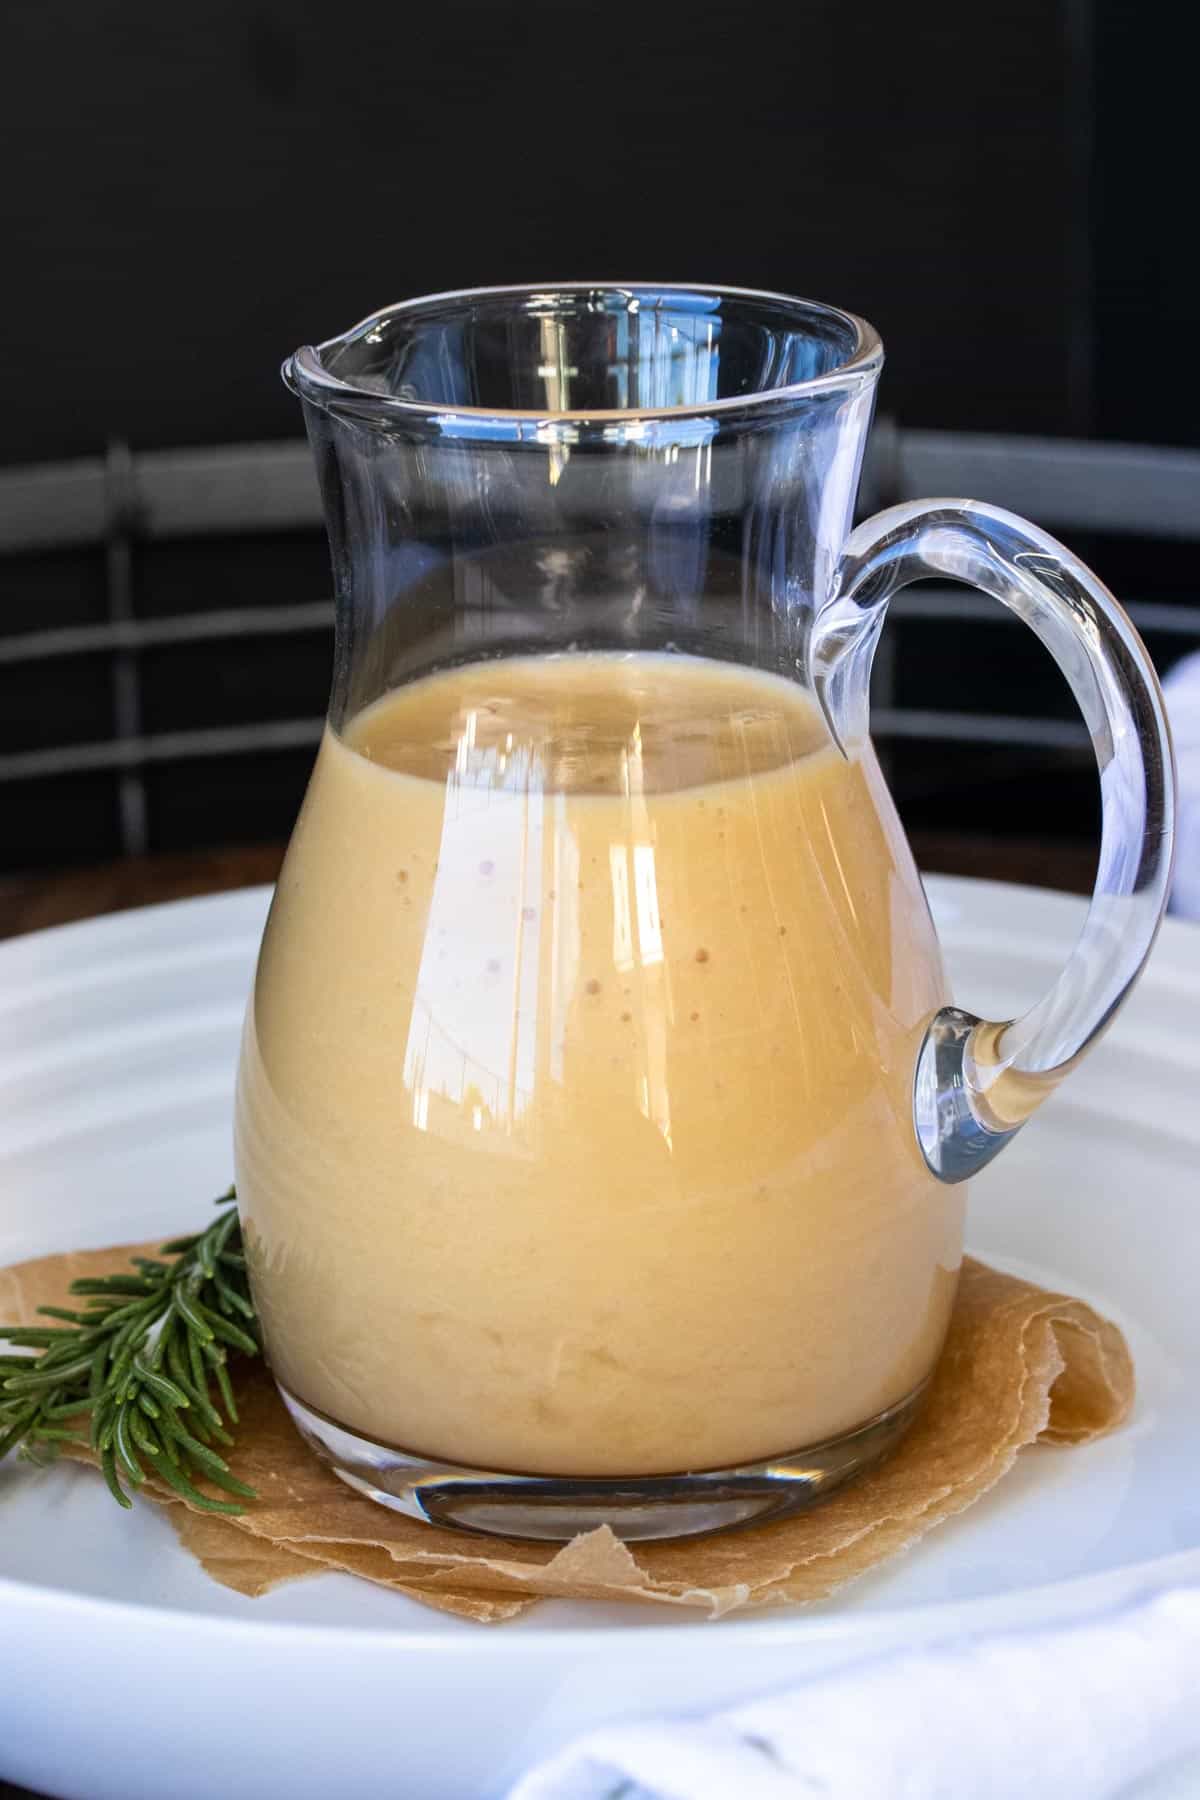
[121, 1663]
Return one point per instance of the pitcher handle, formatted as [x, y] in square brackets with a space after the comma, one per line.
[977, 1080]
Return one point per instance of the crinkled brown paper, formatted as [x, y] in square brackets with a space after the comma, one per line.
[1020, 1365]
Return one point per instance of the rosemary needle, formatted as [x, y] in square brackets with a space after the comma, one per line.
[136, 1364]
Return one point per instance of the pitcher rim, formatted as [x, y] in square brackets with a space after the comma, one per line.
[306, 374]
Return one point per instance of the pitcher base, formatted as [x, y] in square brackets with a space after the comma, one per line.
[637, 1508]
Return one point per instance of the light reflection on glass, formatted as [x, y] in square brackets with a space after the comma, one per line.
[500, 979]
[645, 885]
[618, 864]
[564, 945]
[657, 1008]
[477, 984]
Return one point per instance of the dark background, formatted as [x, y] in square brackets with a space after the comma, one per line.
[1004, 189]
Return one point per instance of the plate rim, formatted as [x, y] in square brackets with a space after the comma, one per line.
[1081, 1595]
[1102, 1590]
[1178, 940]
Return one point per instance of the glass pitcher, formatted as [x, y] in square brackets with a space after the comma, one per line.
[603, 1113]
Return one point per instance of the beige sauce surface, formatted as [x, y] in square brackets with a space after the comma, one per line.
[574, 1119]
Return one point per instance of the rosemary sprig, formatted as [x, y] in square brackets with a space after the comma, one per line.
[144, 1350]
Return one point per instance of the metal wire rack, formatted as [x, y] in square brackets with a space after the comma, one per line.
[120, 502]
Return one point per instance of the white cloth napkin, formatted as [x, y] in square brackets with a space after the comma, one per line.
[1088, 1712]
[1182, 691]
